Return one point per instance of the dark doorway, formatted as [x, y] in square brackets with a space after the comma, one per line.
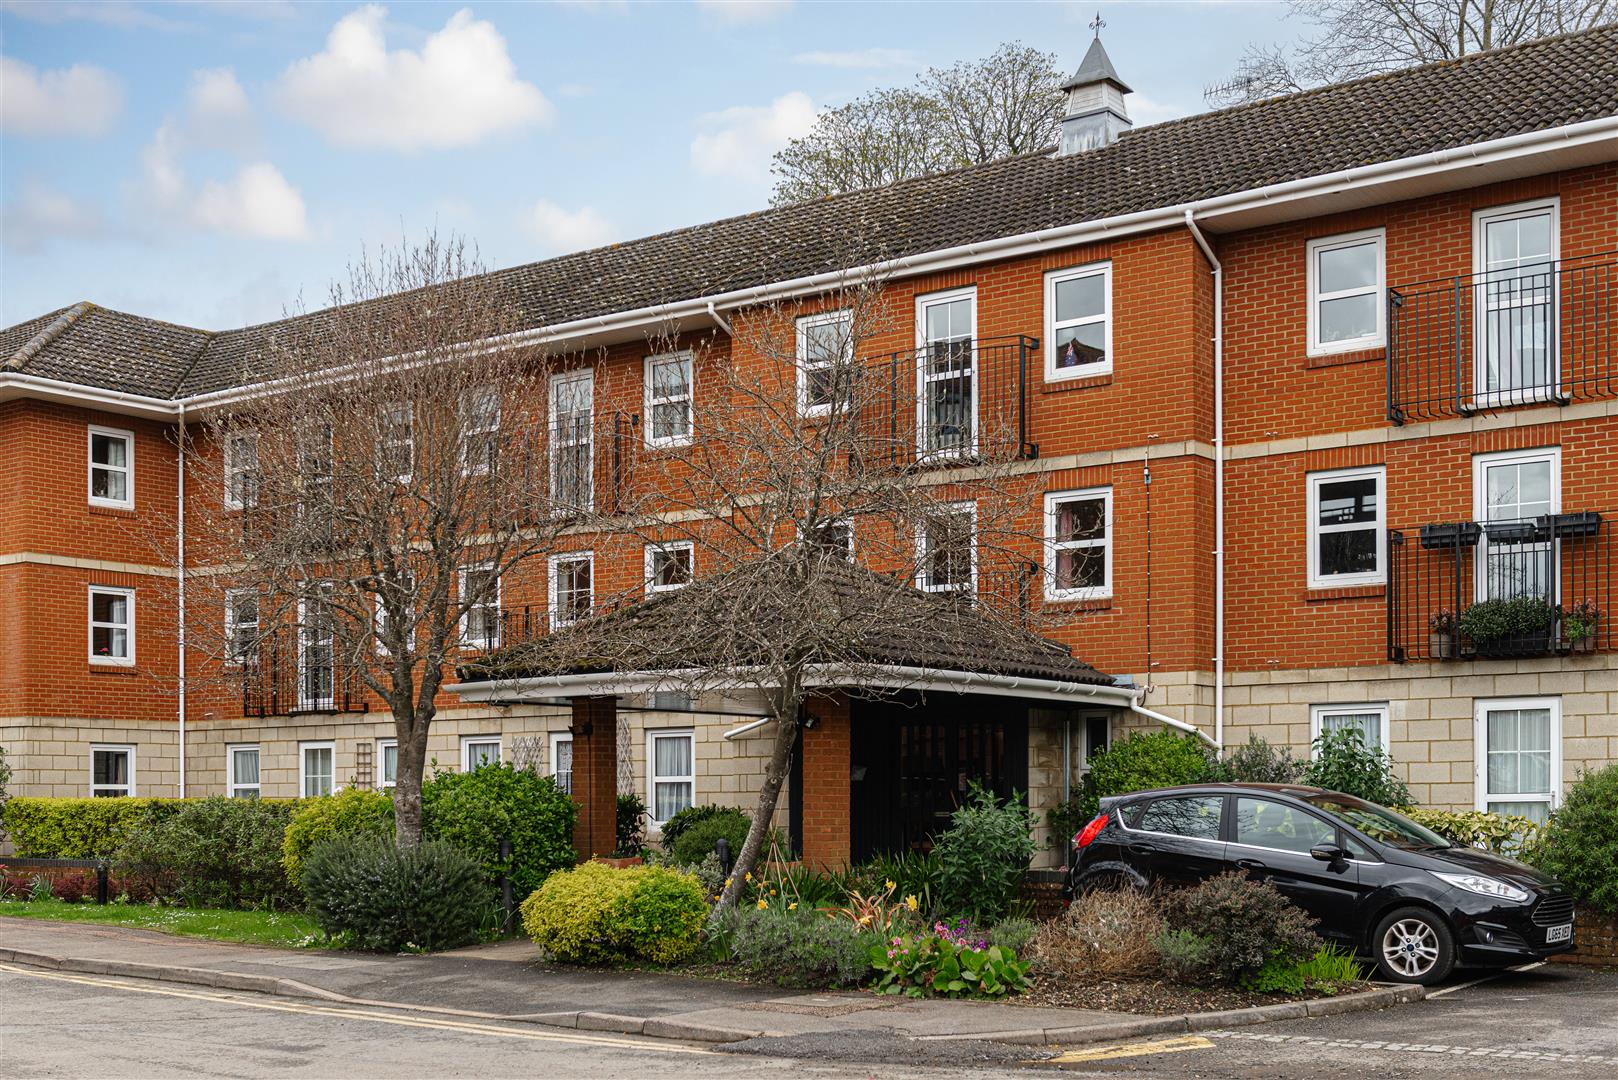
[911, 763]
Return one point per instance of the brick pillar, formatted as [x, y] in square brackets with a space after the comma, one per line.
[595, 775]
[826, 793]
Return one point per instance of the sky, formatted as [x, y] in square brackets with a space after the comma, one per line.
[220, 163]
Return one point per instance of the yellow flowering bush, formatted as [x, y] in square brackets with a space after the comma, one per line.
[597, 914]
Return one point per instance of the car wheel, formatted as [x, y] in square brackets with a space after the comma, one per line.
[1413, 945]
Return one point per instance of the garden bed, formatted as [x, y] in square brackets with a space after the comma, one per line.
[1157, 997]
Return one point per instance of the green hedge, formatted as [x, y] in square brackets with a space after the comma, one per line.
[79, 828]
[352, 811]
[597, 914]
[476, 810]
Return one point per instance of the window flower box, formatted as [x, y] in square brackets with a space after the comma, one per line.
[1459, 534]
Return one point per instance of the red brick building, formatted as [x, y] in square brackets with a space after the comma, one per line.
[1318, 375]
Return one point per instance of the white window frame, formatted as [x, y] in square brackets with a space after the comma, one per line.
[232, 624]
[1378, 238]
[303, 766]
[232, 788]
[846, 521]
[379, 613]
[235, 469]
[306, 641]
[471, 409]
[128, 468]
[382, 782]
[587, 481]
[652, 551]
[493, 640]
[1481, 464]
[969, 509]
[128, 660]
[652, 398]
[397, 423]
[127, 789]
[1480, 223]
[1053, 547]
[557, 739]
[805, 365]
[653, 777]
[1319, 713]
[1052, 325]
[1315, 530]
[1480, 743]
[923, 302]
[557, 620]
[469, 741]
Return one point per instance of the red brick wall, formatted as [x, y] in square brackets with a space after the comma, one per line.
[826, 818]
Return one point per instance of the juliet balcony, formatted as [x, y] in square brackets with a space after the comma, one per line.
[288, 673]
[1540, 333]
[1525, 587]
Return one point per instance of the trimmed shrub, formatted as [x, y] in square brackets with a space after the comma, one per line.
[696, 841]
[384, 899]
[1184, 956]
[676, 826]
[596, 914]
[478, 809]
[214, 852]
[1247, 924]
[983, 856]
[1343, 762]
[1503, 835]
[1141, 762]
[1105, 933]
[352, 811]
[78, 828]
[1580, 845]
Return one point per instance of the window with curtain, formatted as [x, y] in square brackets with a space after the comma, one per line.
[1369, 720]
[244, 782]
[673, 773]
[1519, 750]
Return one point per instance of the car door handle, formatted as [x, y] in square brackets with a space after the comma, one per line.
[1142, 849]
[1249, 864]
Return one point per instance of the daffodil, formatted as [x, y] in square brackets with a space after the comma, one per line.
[892, 885]
[792, 906]
[912, 903]
[762, 904]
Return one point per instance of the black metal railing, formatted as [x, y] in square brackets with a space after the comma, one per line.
[950, 402]
[284, 674]
[1468, 590]
[1537, 334]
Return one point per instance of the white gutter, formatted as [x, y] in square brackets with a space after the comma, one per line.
[180, 573]
[1219, 479]
[89, 395]
[713, 313]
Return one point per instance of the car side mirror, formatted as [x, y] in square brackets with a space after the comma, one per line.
[1329, 853]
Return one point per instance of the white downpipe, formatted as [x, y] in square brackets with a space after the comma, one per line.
[1178, 725]
[180, 574]
[719, 320]
[1219, 479]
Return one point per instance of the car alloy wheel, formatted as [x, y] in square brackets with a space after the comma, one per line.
[1410, 947]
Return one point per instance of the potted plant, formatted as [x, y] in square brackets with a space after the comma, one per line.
[1442, 642]
[1579, 625]
[1509, 626]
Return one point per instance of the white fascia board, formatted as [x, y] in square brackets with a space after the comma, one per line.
[17, 384]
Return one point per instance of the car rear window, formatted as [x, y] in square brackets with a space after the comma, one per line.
[1196, 816]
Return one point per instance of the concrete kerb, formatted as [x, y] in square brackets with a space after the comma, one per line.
[686, 1031]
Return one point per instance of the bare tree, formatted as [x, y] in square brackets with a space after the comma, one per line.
[832, 539]
[966, 114]
[353, 516]
[1355, 38]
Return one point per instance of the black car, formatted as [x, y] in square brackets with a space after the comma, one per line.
[1374, 880]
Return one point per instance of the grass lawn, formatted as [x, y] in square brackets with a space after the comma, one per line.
[289, 929]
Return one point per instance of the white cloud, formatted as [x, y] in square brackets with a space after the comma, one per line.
[78, 100]
[737, 11]
[560, 231]
[858, 58]
[745, 136]
[257, 201]
[460, 88]
[217, 112]
[41, 214]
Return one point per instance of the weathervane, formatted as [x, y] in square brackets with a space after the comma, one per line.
[1097, 23]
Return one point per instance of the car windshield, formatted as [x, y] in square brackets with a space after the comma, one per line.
[1379, 823]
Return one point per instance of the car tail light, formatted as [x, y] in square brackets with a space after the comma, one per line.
[1090, 832]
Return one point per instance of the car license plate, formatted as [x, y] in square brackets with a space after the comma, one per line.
[1559, 933]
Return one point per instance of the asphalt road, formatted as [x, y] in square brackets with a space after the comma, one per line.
[1552, 1021]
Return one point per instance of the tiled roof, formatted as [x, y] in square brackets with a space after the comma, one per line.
[846, 615]
[1532, 87]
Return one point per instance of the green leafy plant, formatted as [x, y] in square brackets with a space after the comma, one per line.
[798, 947]
[1144, 761]
[78, 828]
[696, 841]
[597, 914]
[1248, 924]
[352, 811]
[631, 827]
[1014, 933]
[1331, 968]
[1579, 620]
[1257, 762]
[912, 873]
[385, 899]
[476, 810]
[1507, 618]
[5, 780]
[676, 826]
[1065, 819]
[924, 965]
[1184, 956]
[213, 852]
[1503, 835]
[1579, 846]
[984, 855]
[1343, 762]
